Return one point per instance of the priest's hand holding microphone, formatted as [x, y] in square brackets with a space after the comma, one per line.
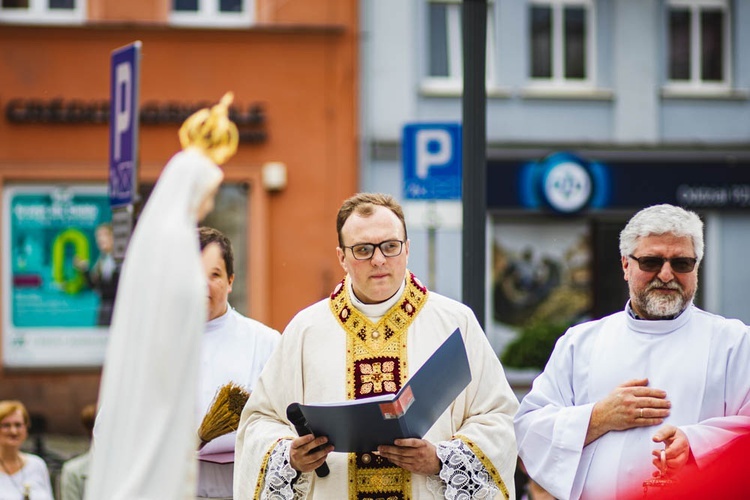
[307, 452]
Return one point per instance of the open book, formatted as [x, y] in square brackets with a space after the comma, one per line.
[361, 425]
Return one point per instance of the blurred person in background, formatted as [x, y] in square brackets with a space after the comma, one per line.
[23, 476]
[76, 470]
[233, 349]
[104, 274]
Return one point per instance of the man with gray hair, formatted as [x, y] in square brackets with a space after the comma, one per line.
[660, 384]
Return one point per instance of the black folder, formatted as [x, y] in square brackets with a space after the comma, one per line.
[361, 425]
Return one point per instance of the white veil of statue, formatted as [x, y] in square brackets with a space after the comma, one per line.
[145, 438]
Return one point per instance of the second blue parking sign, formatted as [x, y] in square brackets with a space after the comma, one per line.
[431, 155]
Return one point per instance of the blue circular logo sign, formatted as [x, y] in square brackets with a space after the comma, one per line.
[567, 185]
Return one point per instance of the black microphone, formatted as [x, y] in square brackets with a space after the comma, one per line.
[295, 416]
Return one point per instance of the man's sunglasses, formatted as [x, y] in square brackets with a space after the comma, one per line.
[654, 264]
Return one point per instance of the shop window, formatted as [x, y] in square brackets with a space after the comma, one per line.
[230, 217]
[43, 11]
[445, 46]
[561, 41]
[698, 42]
[212, 13]
[541, 283]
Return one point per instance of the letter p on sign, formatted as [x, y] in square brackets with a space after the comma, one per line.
[434, 149]
[123, 105]
[124, 84]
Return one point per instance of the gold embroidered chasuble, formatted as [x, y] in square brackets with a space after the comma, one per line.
[376, 363]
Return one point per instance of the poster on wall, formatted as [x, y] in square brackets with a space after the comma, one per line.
[540, 285]
[59, 276]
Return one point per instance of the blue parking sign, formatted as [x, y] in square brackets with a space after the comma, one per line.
[431, 155]
[123, 123]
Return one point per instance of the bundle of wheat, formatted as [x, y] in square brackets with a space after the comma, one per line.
[223, 416]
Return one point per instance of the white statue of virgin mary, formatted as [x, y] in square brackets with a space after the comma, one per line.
[145, 437]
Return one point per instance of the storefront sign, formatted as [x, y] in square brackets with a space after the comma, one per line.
[250, 119]
[566, 183]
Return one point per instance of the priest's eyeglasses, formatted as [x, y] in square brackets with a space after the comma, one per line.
[654, 264]
[365, 251]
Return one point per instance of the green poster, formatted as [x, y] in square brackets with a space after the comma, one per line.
[52, 238]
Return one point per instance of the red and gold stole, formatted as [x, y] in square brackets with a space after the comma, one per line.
[376, 364]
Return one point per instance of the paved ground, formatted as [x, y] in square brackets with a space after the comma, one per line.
[56, 446]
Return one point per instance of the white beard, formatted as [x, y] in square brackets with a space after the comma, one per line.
[659, 306]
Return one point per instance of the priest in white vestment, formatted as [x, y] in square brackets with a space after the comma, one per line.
[643, 391]
[377, 328]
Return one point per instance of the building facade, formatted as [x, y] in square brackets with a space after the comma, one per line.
[292, 67]
[595, 109]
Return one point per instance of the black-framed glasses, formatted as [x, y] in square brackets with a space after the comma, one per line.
[365, 251]
[654, 264]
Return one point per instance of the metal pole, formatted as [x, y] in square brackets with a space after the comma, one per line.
[432, 225]
[474, 196]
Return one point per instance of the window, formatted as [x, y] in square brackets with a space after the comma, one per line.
[230, 217]
[212, 13]
[445, 47]
[561, 50]
[43, 11]
[698, 43]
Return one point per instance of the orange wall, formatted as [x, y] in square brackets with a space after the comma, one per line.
[143, 11]
[276, 12]
[306, 79]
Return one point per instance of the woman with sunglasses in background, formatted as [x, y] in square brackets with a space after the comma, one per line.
[23, 476]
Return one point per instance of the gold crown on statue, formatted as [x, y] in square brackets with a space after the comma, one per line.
[211, 131]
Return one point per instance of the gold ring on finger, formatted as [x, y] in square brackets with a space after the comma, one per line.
[641, 412]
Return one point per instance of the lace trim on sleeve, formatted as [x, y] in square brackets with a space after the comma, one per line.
[462, 475]
[280, 481]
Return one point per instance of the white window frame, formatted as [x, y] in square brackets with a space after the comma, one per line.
[38, 12]
[209, 16]
[695, 83]
[453, 83]
[558, 79]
